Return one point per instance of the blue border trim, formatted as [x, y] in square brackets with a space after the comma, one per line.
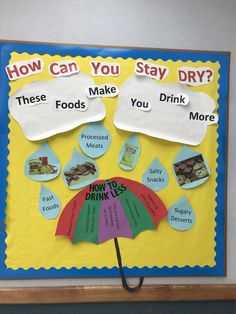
[221, 57]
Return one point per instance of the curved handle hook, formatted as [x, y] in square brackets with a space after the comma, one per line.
[122, 274]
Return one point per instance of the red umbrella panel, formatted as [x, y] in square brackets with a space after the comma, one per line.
[108, 209]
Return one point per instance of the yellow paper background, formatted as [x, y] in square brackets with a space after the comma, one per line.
[30, 237]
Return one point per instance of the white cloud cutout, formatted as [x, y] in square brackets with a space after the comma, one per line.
[47, 117]
[165, 120]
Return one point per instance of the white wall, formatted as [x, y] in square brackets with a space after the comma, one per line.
[183, 24]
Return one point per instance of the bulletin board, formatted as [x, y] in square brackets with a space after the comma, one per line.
[148, 121]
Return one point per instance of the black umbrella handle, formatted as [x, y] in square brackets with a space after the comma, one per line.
[122, 274]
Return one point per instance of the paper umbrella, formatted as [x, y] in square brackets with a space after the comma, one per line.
[108, 209]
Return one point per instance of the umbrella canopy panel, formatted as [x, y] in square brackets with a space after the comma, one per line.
[109, 209]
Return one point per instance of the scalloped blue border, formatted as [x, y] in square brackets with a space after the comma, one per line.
[222, 57]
